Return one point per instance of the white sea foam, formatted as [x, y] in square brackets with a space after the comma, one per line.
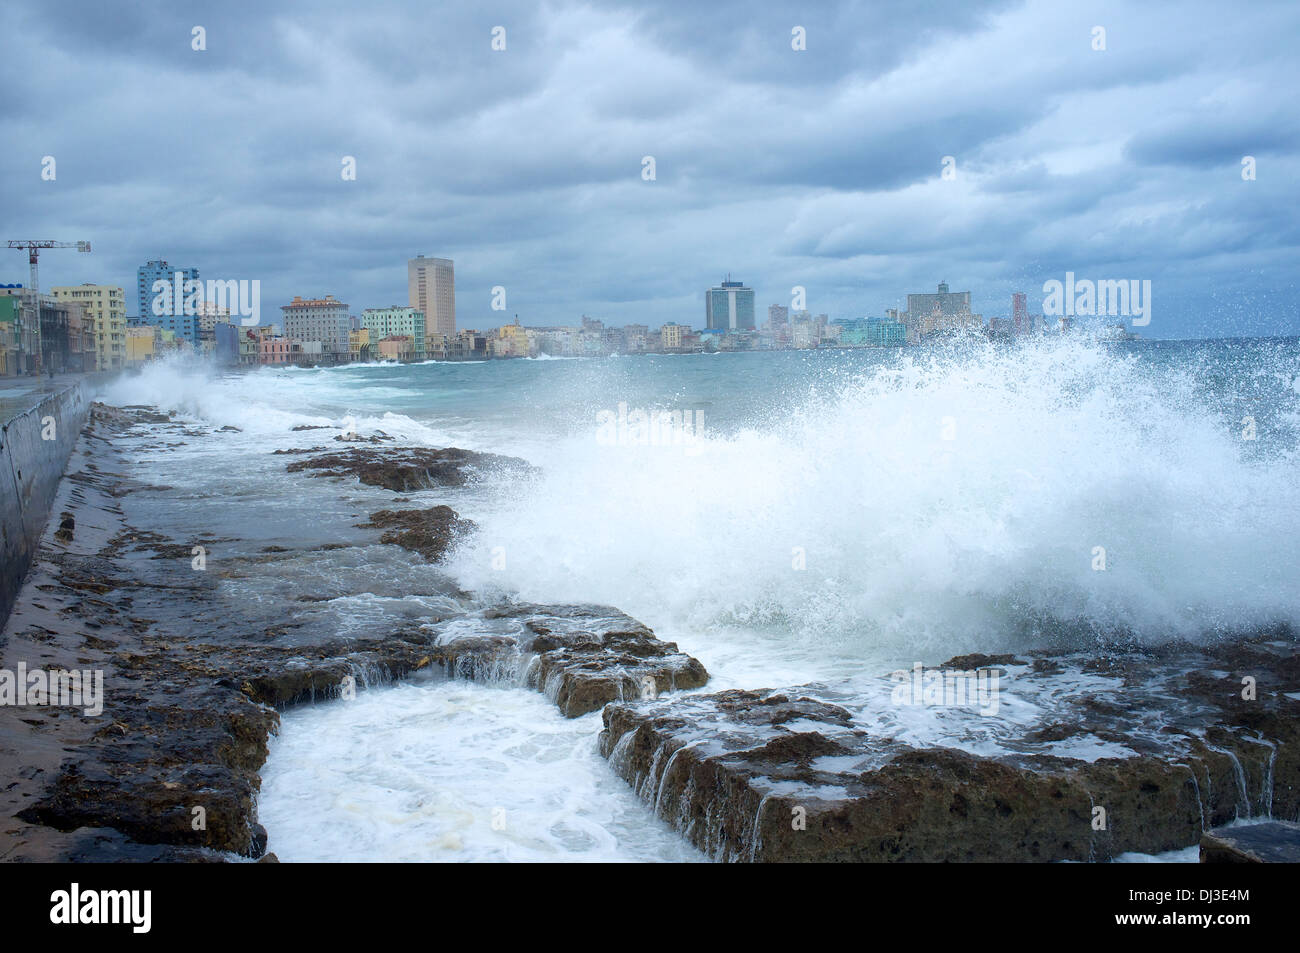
[465, 772]
[917, 546]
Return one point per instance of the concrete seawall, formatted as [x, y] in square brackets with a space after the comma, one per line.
[40, 427]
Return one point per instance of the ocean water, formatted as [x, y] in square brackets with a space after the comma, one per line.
[827, 515]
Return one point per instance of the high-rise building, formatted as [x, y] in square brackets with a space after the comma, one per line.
[105, 309]
[166, 309]
[431, 290]
[777, 315]
[1019, 314]
[729, 307]
[319, 319]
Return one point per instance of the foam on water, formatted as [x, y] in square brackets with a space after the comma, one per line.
[943, 503]
[465, 772]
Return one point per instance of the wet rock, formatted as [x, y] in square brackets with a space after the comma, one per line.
[1273, 842]
[150, 791]
[582, 657]
[410, 468]
[67, 526]
[130, 415]
[1070, 765]
[429, 532]
[977, 660]
[584, 676]
[377, 437]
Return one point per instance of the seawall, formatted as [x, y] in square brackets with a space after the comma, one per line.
[41, 422]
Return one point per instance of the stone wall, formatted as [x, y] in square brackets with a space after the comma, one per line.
[34, 449]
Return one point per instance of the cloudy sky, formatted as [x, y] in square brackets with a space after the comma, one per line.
[819, 168]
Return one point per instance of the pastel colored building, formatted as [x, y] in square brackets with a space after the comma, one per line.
[872, 332]
[396, 321]
[142, 344]
[105, 310]
[397, 347]
[511, 341]
[278, 350]
[18, 335]
[672, 336]
[359, 345]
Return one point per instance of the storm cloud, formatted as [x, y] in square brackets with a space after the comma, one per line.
[819, 168]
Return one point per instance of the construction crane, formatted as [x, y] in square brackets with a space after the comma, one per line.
[34, 247]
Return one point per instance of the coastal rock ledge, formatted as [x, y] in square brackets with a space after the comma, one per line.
[188, 707]
[1083, 759]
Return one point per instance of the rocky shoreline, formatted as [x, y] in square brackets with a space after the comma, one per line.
[187, 720]
[1164, 743]
[1159, 748]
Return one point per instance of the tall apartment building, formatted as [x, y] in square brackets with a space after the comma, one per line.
[431, 290]
[1019, 313]
[729, 307]
[105, 310]
[396, 321]
[162, 309]
[318, 319]
[777, 315]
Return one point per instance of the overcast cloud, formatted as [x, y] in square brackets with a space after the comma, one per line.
[818, 168]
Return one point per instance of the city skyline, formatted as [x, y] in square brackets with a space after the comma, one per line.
[1065, 157]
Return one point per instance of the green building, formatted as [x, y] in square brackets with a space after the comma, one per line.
[20, 339]
[388, 322]
[872, 332]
